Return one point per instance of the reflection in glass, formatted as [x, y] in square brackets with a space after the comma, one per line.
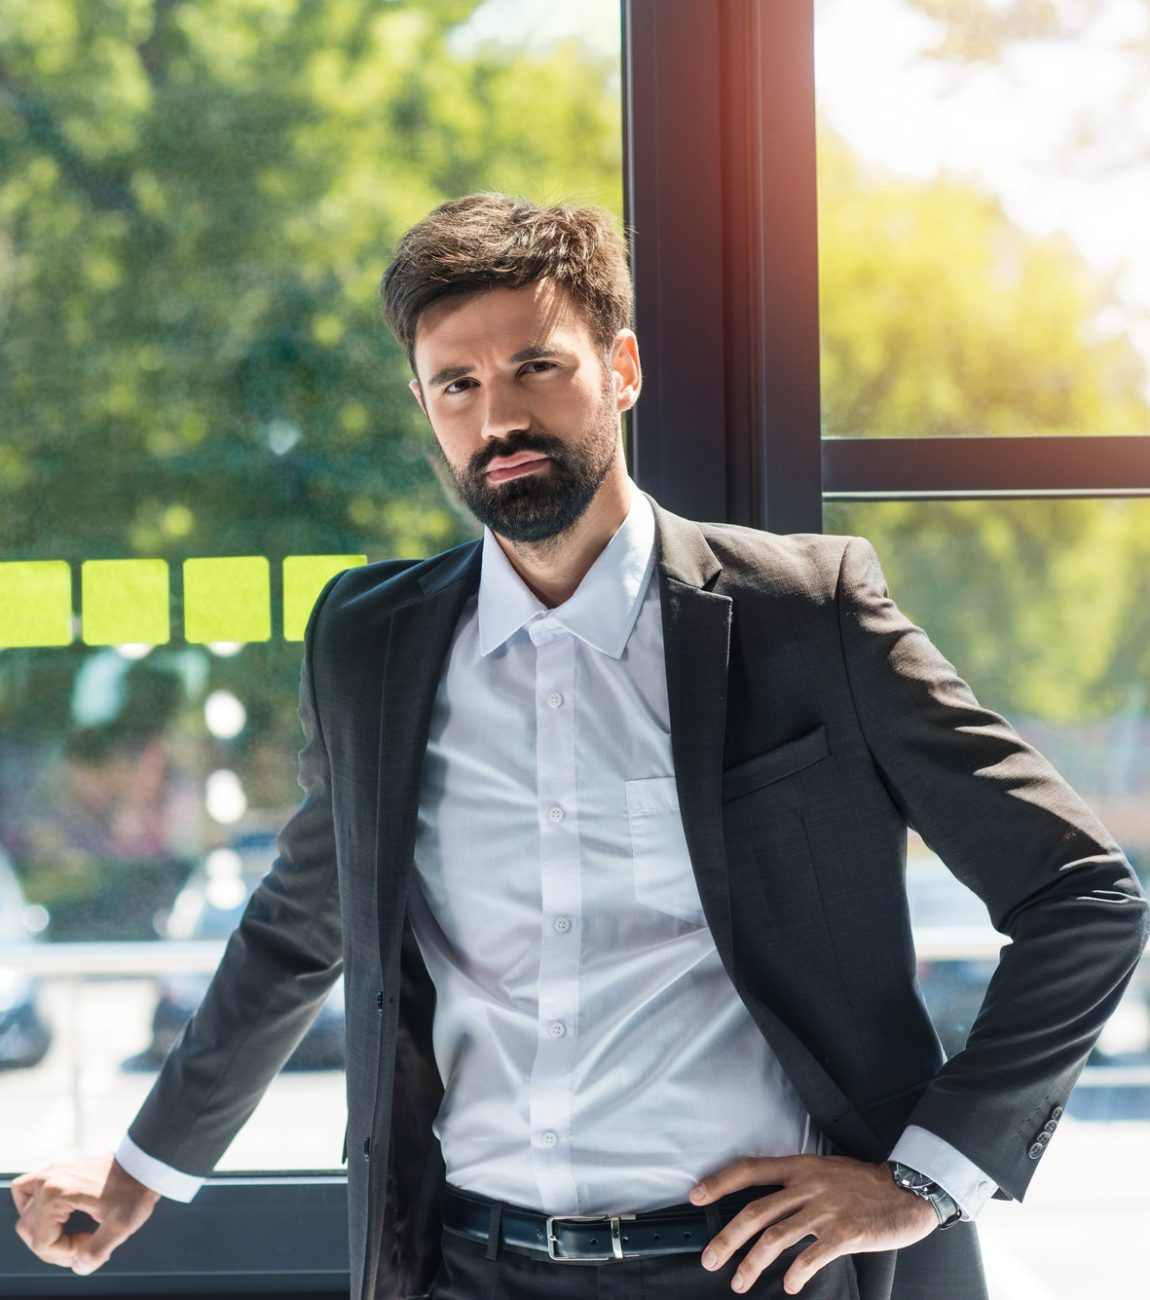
[197, 204]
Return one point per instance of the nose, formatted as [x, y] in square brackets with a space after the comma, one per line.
[504, 412]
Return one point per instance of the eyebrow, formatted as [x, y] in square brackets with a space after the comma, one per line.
[536, 352]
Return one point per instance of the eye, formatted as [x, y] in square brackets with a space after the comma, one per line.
[454, 386]
[539, 367]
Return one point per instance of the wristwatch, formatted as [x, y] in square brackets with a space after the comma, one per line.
[910, 1180]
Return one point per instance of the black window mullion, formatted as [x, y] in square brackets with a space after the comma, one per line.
[721, 198]
[971, 467]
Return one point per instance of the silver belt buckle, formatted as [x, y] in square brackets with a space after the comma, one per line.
[611, 1220]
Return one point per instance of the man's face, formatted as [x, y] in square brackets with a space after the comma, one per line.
[524, 408]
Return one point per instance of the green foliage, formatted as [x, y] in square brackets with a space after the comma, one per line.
[940, 317]
[196, 205]
[197, 200]
[1044, 606]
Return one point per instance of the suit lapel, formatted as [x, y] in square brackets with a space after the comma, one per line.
[419, 637]
[696, 637]
[696, 649]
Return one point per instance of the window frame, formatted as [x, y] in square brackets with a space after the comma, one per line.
[721, 201]
[724, 248]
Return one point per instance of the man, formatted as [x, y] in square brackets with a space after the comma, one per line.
[605, 820]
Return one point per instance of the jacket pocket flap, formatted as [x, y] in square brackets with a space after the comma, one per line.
[783, 760]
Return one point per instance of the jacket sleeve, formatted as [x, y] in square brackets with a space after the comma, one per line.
[1007, 825]
[275, 973]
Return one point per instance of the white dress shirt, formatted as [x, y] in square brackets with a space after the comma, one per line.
[594, 1054]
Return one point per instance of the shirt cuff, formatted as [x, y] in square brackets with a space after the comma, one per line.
[958, 1176]
[154, 1174]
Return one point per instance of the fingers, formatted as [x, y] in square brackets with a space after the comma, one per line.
[45, 1238]
[773, 1243]
[92, 1250]
[765, 1252]
[751, 1171]
[806, 1265]
[23, 1190]
[94, 1185]
[752, 1218]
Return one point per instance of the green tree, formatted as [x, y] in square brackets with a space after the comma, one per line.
[940, 317]
[197, 200]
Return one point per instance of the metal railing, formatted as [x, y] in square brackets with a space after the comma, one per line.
[74, 963]
[123, 960]
[202, 956]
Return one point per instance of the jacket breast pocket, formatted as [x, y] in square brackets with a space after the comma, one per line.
[664, 879]
[776, 764]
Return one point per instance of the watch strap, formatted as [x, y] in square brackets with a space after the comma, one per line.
[918, 1184]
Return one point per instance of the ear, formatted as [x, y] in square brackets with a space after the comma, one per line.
[417, 392]
[627, 373]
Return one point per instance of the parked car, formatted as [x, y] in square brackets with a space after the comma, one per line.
[209, 906]
[24, 1034]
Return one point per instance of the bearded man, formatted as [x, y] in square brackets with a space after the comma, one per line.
[605, 826]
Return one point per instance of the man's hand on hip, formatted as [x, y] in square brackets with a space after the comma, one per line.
[95, 1184]
[850, 1206]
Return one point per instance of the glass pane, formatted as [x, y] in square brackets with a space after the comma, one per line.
[983, 200]
[202, 418]
[1044, 607]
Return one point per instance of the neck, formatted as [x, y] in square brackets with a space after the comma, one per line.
[554, 568]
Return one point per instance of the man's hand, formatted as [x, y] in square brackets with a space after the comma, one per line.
[98, 1186]
[849, 1205]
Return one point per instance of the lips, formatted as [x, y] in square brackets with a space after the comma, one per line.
[510, 466]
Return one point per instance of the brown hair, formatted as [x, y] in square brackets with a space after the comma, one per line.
[487, 241]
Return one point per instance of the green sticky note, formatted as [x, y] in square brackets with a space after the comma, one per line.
[35, 603]
[227, 599]
[304, 578]
[125, 601]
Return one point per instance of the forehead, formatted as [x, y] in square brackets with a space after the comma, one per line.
[499, 320]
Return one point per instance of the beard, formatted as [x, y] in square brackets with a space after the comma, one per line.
[548, 501]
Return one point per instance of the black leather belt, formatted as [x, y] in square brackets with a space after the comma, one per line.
[590, 1239]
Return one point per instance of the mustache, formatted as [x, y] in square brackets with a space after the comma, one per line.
[543, 443]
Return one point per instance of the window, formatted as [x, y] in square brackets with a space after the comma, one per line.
[202, 419]
[985, 378]
[200, 200]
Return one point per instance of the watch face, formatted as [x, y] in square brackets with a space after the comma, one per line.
[908, 1178]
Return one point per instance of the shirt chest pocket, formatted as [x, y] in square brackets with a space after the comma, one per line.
[662, 865]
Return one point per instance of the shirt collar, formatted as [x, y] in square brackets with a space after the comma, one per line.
[603, 609]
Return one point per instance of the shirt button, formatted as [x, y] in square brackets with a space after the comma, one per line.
[550, 624]
[557, 1029]
[562, 924]
[555, 699]
[549, 1139]
[556, 814]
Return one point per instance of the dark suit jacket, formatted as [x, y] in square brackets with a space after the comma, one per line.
[810, 723]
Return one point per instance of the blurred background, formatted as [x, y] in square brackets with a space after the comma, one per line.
[197, 200]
